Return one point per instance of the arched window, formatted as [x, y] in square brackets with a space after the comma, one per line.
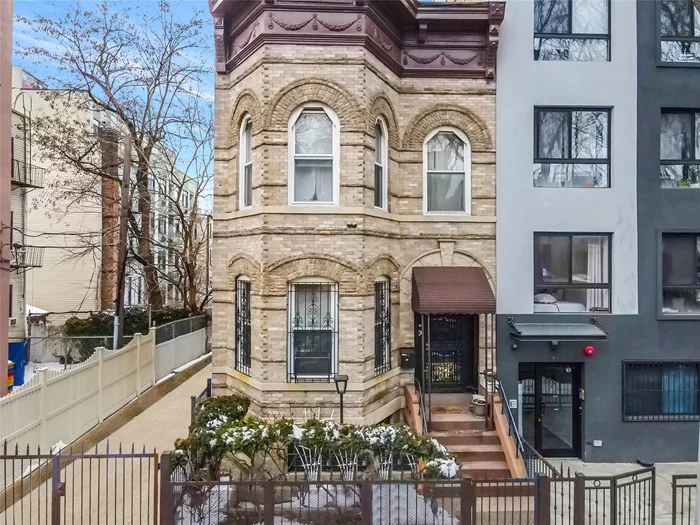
[245, 170]
[314, 132]
[447, 172]
[382, 325]
[381, 165]
[243, 346]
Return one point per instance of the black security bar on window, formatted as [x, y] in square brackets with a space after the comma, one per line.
[660, 391]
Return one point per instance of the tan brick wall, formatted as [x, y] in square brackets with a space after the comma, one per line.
[353, 243]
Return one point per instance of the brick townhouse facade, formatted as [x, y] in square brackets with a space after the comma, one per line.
[355, 160]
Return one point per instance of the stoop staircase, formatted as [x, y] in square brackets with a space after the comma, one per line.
[481, 452]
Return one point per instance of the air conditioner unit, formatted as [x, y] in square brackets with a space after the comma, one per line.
[13, 321]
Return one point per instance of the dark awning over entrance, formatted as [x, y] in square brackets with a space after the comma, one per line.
[452, 290]
[557, 332]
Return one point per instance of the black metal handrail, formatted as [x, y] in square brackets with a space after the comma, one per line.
[534, 462]
[421, 406]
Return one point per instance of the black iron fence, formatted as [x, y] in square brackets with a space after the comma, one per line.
[137, 487]
[683, 499]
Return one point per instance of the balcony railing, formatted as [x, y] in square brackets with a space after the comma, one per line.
[26, 256]
[27, 175]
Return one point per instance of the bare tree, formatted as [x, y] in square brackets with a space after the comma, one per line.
[139, 67]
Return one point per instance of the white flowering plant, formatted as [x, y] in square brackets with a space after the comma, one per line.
[442, 468]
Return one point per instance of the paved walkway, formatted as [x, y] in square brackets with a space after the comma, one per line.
[117, 491]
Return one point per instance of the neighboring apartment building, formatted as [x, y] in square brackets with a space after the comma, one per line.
[354, 200]
[597, 254]
[24, 254]
[79, 270]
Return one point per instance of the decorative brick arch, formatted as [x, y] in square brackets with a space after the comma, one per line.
[246, 104]
[279, 273]
[314, 90]
[447, 115]
[242, 264]
[381, 107]
[383, 265]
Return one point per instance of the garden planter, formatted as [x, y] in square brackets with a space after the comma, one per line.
[478, 406]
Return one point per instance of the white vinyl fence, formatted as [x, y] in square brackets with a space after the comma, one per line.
[60, 406]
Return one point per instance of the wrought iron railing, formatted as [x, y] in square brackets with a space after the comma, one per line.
[27, 175]
[421, 407]
[194, 400]
[684, 488]
[535, 464]
[22, 256]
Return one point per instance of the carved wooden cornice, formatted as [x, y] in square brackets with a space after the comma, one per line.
[412, 39]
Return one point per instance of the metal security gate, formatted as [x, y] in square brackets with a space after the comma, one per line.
[450, 363]
[74, 489]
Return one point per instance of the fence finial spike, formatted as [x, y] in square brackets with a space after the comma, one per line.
[16, 448]
[120, 447]
[132, 447]
[4, 448]
[107, 445]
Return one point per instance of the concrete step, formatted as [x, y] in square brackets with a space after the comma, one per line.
[485, 470]
[465, 437]
[444, 422]
[479, 452]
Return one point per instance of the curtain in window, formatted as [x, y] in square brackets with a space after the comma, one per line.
[679, 390]
[313, 158]
[598, 273]
[446, 172]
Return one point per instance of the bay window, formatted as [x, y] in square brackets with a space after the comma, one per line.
[381, 162]
[314, 152]
[246, 163]
[312, 343]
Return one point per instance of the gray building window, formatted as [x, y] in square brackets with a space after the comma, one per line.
[572, 30]
[680, 149]
[572, 273]
[680, 31]
[572, 148]
[660, 391]
[680, 274]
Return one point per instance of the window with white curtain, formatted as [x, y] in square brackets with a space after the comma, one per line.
[314, 146]
[572, 273]
[246, 167]
[381, 163]
[447, 164]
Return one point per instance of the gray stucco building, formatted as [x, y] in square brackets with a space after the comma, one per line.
[598, 268]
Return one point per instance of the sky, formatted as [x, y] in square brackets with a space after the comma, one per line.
[23, 34]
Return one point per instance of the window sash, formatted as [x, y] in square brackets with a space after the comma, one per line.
[432, 206]
[569, 23]
[661, 391]
[379, 186]
[540, 283]
[568, 156]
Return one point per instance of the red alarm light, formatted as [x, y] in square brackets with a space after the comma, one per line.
[589, 351]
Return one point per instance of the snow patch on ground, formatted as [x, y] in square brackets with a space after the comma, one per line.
[391, 503]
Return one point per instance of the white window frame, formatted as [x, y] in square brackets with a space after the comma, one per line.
[467, 172]
[242, 147]
[384, 190]
[335, 290]
[291, 143]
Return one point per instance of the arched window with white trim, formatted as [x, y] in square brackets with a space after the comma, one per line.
[314, 164]
[245, 183]
[447, 172]
[381, 165]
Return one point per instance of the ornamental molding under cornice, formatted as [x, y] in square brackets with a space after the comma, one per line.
[426, 48]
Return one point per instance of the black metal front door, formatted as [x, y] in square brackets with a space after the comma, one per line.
[447, 354]
[552, 409]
